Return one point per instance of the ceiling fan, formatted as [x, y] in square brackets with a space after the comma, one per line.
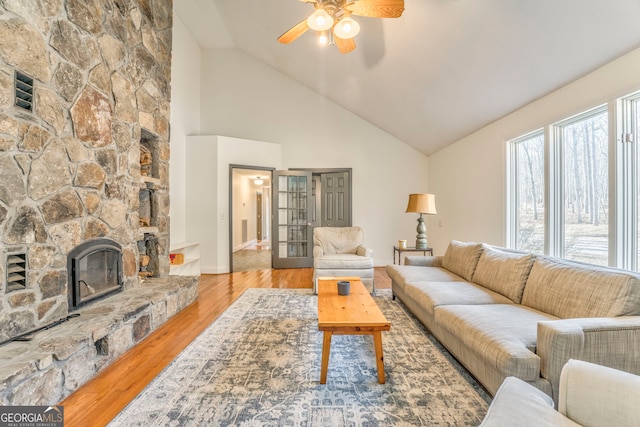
[332, 20]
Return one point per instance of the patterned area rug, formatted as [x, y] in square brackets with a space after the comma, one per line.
[258, 364]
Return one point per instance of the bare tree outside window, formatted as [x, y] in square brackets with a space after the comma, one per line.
[558, 200]
[586, 194]
[530, 193]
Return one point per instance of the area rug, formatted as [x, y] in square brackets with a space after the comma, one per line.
[258, 364]
[251, 259]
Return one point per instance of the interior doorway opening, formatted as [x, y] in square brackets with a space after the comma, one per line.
[250, 218]
[273, 214]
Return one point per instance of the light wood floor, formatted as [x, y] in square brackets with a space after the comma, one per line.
[101, 399]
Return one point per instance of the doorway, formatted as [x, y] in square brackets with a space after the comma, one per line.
[250, 218]
[302, 200]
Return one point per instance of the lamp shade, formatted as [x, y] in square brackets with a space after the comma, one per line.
[422, 203]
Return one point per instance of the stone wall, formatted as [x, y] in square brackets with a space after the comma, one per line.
[69, 169]
[70, 172]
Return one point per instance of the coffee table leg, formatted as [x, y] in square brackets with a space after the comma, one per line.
[326, 348]
[377, 342]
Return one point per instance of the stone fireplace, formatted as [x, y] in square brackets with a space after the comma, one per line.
[84, 96]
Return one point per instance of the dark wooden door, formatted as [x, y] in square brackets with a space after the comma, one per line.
[336, 205]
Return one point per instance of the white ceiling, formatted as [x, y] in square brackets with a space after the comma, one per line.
[252, 174]
[444, 69]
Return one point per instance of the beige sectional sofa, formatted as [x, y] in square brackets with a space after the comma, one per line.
[503, 313]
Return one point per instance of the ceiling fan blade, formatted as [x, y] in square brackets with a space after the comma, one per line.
[294, 32]
[376, 8]
[344, 45]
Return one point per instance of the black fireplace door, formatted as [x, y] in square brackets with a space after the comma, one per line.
[95, 271]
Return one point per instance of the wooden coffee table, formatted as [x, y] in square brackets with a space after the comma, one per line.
[354, 314]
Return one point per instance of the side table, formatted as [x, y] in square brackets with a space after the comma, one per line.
[399, 251]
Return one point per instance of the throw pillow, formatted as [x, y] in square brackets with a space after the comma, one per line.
[503, 272]
[461, 258]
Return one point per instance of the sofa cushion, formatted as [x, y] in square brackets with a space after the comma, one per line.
[502, 334]
[503, 272]
[432, 294]
[413, 273]
[343, 261]
[401, 275]
[461, 258]
[572, 290]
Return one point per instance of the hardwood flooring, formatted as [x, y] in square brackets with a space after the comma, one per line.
[101, 399]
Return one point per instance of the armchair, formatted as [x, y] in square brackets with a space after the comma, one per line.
[339, 251]
[590, 395]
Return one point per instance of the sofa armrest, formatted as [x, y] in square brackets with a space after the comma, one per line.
[317, 251]
[519, 404]
[424, 261]
[607, 341]
[364, 251]
[594, 395]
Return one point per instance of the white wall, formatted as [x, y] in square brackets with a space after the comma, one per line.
[469, 177]
[185, 119]
[245, 98]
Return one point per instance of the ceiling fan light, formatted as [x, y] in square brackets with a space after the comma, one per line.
[320, 20]
[347, 28]
[323, 38]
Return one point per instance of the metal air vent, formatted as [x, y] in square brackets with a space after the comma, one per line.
[24, 91]
[16, 271]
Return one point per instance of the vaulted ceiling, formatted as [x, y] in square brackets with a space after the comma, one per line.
[443, 70]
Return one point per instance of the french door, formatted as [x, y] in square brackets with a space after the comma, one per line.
[292, 231]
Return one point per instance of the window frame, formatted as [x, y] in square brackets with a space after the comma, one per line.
[626, 176]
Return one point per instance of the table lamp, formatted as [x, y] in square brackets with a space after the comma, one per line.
[422, 204]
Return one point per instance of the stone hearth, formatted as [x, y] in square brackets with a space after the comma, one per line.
[58, 360]
[83, 85]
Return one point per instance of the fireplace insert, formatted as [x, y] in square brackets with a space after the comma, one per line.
[95, 271]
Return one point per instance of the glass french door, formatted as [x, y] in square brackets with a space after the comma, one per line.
[292, 230]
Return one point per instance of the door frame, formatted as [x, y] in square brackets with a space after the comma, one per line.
[230, 213]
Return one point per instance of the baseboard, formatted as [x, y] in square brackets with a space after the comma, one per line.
[245, 245]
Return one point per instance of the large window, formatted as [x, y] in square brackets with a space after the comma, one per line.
[528, 192]
[559, 189]
[585, 193]
[574, 187]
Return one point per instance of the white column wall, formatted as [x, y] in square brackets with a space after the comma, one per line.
[185, 120]
[469, 177]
